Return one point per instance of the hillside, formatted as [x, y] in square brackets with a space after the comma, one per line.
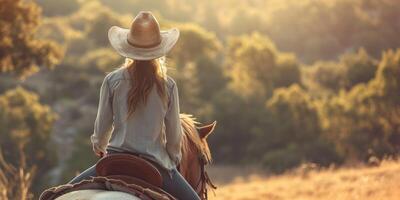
[366, 183]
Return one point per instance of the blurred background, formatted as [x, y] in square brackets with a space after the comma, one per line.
[290, 82]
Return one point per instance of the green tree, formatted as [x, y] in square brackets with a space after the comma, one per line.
[20, 52]
[256, 67]
[358, 68]
[240, 120]
[366, 119]
[81, 156]
[100, 60]
[198, 71]
[189, 88]
[25, 124]
[133, 7]
[59, 7]
[98, 27]
[194, 42]
[328, 75]
[287, 72]
[251, 62]
[350, 70]
[295, 134]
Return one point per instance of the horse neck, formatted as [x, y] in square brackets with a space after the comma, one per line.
[190, 166]
[192, 169]
[195, 154]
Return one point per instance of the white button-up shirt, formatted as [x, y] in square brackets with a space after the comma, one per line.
[153, 130]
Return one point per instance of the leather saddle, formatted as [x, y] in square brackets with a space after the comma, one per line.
[123, 172]
[129, 168]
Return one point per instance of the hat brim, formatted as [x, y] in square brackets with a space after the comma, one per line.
[119, 41]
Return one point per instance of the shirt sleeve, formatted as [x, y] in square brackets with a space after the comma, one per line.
[173, 127]
[104, 119]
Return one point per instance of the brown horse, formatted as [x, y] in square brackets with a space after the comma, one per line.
[196, 154]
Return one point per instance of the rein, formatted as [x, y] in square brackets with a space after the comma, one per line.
[204, 156]
[204, 180]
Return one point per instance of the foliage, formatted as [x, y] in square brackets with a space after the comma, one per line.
[98, 28]
[134, 7]
[239, 120]
[81, 159]
[328, 75]
[352, 69]
[59, 7]
[199, 76]
[256, 67]
[365, 120]
[100, 60]
[194, 40]
[20, 52]
[295, 135]
[313, 30]
[358, 68]
[26, 124]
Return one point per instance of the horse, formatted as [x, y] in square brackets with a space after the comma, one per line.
[195, 156]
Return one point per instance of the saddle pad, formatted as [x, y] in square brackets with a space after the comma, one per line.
[96, 195]
[106, 184]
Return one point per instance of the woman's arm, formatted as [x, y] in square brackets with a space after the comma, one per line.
[173, 127]
[104, 119]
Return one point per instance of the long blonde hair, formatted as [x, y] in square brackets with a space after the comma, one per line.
[144, 75]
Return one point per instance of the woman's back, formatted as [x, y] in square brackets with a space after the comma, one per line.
[145, 130]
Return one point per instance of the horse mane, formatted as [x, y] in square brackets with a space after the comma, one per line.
[189, 125]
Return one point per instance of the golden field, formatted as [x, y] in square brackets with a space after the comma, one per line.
[364, 183]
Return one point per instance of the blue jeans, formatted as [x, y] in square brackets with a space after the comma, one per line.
[173, 183]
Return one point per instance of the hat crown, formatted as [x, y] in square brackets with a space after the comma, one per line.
[145, 31]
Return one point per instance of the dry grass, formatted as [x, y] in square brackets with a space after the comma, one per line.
[364, 183]
[15, 181]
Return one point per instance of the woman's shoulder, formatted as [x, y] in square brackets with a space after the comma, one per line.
[116, 74]
[170, 82]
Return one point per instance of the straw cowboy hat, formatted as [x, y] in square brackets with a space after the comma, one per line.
[144, 40]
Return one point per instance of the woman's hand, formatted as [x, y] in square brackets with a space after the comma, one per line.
[99, 152]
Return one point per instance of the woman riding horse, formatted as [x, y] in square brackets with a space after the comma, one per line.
[140, 103]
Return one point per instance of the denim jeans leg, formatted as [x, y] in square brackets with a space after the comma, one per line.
[91, 171]
[178, 187]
